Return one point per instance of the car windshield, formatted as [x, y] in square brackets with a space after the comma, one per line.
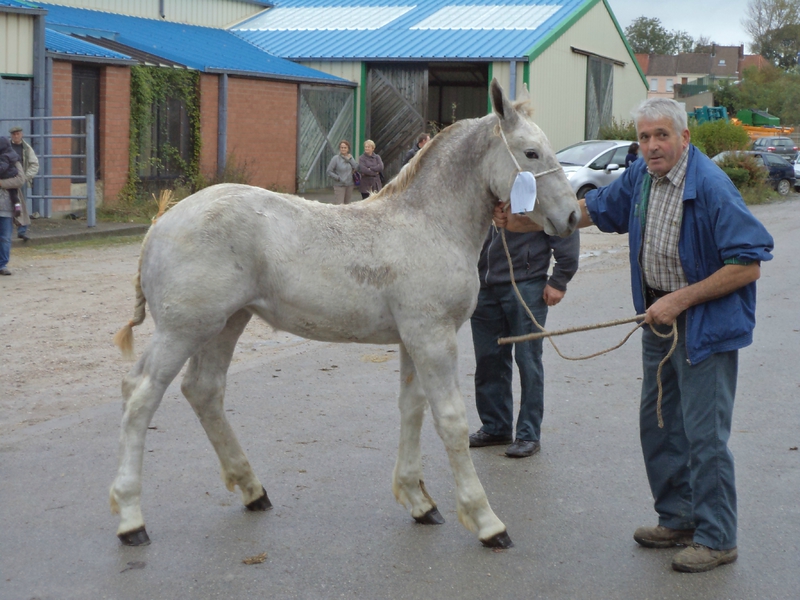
[582, 153]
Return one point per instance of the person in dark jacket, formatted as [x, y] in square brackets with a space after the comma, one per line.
[370, 166]
[695, 255]
[500, 314]
[633, 154]
[423, 139]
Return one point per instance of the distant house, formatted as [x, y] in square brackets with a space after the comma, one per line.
[692, 72]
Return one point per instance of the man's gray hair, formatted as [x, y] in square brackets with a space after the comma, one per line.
[659, 108]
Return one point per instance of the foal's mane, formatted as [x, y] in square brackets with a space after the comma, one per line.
[407, 174]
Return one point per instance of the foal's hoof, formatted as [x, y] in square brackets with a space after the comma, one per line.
[260, 503]
[137, 537]
[432, 517]
[501, 540]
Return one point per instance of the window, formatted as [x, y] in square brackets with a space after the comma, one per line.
[654, 85]
[721, 62]
[669, 85]
[165, 149]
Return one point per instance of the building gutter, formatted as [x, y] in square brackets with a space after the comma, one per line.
[274, 77]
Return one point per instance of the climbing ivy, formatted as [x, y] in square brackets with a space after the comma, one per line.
[150, 87]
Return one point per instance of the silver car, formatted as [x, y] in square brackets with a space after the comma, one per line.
[592, 164]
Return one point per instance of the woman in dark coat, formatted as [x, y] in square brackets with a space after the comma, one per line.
[633, 154]
[370, 166]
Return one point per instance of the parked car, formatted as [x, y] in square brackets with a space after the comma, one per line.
[776, 144]
[781, 171]
[592, 164]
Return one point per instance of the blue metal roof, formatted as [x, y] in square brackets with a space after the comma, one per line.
[203, 48]
[20, 4]
[408, 29]
[60, 43]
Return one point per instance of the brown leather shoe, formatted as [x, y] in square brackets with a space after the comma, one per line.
[698, 558]
[662, 537]
[480, 438]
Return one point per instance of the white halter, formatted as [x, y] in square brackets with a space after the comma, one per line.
[516, 164]
[523, 191]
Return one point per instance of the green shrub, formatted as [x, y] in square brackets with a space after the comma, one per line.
[739, 177]
[618, 130]
[714, 137]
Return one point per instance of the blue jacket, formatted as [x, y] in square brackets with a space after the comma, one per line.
[716, 227]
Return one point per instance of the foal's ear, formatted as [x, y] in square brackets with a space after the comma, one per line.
[523, 95]
[500, 103]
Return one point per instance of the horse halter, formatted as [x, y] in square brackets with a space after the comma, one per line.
[516, 164]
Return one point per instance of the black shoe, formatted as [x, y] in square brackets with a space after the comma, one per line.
[5, 271]
[24, 237]
[522, 448]
[480, 438]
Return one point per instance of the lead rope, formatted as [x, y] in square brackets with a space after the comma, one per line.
[548, 335]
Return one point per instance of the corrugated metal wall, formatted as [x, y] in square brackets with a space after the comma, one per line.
[16, 44]
[558, 78]
[208, 13]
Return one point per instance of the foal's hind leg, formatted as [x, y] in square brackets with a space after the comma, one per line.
[204, 388]
[142, 390]
[435, 354]
[407, 483]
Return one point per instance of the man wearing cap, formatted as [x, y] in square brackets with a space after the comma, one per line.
[30, 165]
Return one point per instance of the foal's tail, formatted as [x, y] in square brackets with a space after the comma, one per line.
[123, 339]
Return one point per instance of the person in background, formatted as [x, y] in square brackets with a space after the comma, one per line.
[500, 314]
[423, 139]
[30, 166]
[370, 166]
[340, 169]
[695, 255]
[7, 215]
[633, 154]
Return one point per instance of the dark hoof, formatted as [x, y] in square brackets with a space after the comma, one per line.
[261, 503]
[432, 517]
[501, 540]
[137, 537]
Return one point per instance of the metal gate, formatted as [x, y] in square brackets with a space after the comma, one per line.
[41, 199]
[397, 105]
[326, 117]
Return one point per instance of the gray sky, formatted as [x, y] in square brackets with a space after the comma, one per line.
[719, 20]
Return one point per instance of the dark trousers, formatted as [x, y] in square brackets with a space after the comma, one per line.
[499, 314]
[689, 466]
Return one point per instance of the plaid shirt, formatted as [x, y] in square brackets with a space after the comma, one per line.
[664, 211]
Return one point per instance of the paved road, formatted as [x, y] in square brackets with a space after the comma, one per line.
[320, 425]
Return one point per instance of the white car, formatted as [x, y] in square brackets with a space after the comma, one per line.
[592, 164]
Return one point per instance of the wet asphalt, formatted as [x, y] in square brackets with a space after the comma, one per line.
[319, 423]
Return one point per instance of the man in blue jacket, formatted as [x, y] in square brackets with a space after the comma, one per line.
[695, 255]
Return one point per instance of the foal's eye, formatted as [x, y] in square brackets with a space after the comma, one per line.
[531, 154]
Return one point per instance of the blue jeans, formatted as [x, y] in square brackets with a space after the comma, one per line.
[6, 228]
[689, 466]
[22, 230]
[499, 314]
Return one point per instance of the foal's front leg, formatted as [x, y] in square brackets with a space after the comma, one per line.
[435, 355]
[407, 483]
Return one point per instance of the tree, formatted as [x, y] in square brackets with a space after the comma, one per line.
[766, 16]
[649, 36]
[704, 45]
[781, 46]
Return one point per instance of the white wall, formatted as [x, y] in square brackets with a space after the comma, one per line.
[16, 44]
[558, 78]
[208, 13]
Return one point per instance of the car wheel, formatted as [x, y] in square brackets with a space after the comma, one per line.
[784, 187]
[582, 192]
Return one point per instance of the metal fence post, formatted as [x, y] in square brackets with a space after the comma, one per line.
[90, 200]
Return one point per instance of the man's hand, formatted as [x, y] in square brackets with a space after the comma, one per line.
[552, 296]
[512, 222]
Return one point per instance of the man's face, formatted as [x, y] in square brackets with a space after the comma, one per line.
[424, 141]
[16, 137]
[660, 145]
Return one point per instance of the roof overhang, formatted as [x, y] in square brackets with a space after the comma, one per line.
[274, 77]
